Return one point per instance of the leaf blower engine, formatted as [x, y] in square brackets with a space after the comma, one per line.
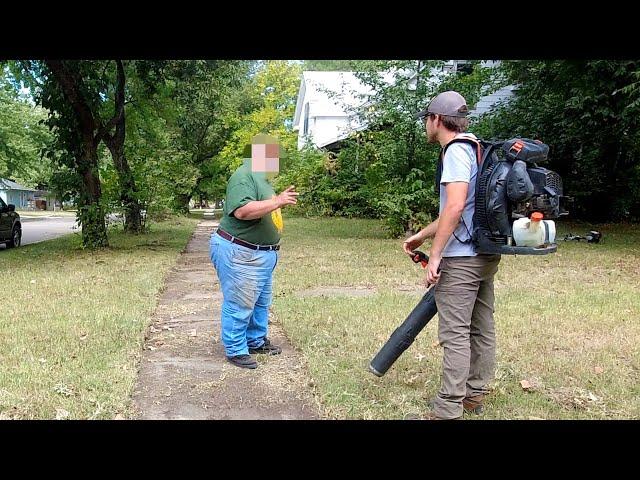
[516, 199]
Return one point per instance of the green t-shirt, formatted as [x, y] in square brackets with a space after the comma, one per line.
[245, 186]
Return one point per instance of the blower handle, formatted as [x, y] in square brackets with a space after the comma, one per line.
[421, 257]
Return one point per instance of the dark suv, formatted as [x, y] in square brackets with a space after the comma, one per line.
[10, 226]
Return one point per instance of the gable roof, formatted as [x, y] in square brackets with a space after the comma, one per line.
[6, 184]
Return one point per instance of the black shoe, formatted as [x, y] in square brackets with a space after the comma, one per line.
[267, 348]
[243, 361]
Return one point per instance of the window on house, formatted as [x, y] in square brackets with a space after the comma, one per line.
[464, 68]
[306, 119]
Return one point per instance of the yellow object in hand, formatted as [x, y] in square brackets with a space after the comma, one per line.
[276, 217]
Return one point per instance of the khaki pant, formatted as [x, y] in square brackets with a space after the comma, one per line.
[465, 300]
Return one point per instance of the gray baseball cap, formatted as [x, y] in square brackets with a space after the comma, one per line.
[448, 103]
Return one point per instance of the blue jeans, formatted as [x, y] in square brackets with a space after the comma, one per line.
[245, 279]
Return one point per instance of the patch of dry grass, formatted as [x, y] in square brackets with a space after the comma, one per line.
[72, 321]
[568, 323]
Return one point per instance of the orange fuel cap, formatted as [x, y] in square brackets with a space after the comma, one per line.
[536, 216]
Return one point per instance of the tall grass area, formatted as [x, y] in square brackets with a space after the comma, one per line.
[568, 324]
[72, 321]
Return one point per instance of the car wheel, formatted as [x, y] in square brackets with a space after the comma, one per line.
[16, 237]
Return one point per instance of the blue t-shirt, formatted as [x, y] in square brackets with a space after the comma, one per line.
[460, 164]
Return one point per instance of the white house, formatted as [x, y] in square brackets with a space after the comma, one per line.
[492, 100]
[322, 117]
[326, 101]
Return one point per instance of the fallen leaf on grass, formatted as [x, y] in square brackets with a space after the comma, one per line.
[61, 414]
[526, 385]
[63, 390]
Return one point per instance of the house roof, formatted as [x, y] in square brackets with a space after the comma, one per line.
[493, 100]
[6, 184]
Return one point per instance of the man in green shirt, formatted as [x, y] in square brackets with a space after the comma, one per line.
[244, 251]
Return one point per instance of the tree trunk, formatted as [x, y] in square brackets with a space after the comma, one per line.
[115, 144]
[132, 214]
[90, 213]
[182, 203]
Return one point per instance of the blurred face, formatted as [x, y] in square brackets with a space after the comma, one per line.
[265, 158]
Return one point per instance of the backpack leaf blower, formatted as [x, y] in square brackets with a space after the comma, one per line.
[515, 202]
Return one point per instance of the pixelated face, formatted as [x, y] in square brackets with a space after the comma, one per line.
[265, 158]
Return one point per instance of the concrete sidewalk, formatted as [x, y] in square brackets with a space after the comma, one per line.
[184, 373]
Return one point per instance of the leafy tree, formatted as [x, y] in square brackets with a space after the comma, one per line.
[330, 65]
[203, 97]
[267, 103]
[22, 137]
[71, 91]
[115, 142]
[588, 114]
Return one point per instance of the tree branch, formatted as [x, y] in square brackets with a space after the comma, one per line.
[119, 105]
[71, 89]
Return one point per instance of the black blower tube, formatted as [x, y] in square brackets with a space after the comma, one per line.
[405, 334]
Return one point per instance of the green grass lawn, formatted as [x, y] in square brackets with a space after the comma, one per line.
[568, 324]
[72, 321]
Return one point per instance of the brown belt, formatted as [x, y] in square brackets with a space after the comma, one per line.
[252, 246]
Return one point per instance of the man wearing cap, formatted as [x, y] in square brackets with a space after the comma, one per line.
[464, 283]
[244, 251]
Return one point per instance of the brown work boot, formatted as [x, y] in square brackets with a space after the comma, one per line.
[474, 404]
